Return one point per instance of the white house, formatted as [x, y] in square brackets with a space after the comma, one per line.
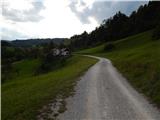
[62, 52]
[56, 51]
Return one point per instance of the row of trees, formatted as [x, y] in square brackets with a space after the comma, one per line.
[11, 54]
[119, 26]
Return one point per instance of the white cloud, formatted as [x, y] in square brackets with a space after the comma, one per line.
[49, 18]
[59, 21]
[22, 10]
[18, 4]
[102, 10]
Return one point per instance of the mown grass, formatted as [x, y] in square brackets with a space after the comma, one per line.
[137, 58]
[23, 96]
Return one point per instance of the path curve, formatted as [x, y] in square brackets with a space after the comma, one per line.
[104, 94]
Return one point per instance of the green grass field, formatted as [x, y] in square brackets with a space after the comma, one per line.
[137, 58]
[25, 94]
[98, 49]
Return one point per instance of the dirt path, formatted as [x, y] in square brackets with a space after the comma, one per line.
[104, 94]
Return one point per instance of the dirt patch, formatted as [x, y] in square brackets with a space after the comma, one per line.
[52, 110]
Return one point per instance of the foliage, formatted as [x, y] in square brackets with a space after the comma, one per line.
[156, 33]
[109, 47]
[11, 54]
[28, 43]
[25, 94]
[120, 26]
[142, 55]
[5, 43]
[6, 71]
[50, 62]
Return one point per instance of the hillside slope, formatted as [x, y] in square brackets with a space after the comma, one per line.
[137, 58]
[25, 94]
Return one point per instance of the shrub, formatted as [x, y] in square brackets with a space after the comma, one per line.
[51, 62]
[156, 33]
[6, 69]
[109, 47]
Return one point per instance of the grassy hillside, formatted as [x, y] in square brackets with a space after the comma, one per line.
[26, 68]
[137, 58]
[22, 69]
[98, 49]
[25, 94]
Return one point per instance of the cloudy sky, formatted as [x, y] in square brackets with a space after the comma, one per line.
[21, 19]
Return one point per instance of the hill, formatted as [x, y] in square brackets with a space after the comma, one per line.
[33, 42]
[25, 93]
[119, 26]
[137, 58]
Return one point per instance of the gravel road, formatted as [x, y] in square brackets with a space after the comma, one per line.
[104, 94]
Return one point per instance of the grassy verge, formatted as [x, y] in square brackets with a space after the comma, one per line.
[137, 58]
[23, 96]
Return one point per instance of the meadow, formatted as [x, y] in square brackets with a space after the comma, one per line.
[25, 93]
[138, 59]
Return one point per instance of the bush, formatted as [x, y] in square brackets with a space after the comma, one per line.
[156, 33]
[50, 62]
[6, 69]
[109, 47]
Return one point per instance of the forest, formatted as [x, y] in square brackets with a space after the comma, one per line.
[119, 26]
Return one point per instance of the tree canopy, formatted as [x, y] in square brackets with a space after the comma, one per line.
[119, 26]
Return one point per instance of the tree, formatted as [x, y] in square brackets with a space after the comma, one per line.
[119, 26]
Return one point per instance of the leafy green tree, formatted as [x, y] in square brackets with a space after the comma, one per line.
[119, 26]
